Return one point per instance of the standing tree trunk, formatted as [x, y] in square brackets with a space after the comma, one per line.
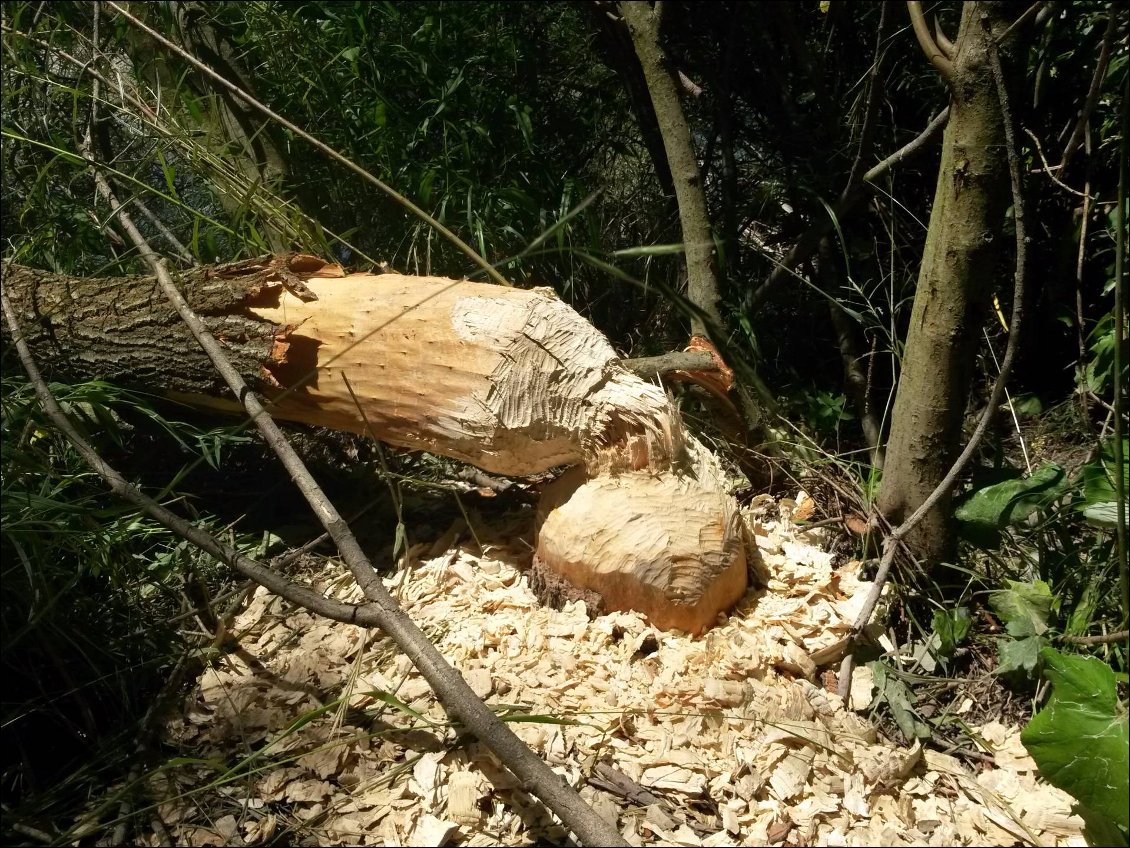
[698, 240]
[959, 266]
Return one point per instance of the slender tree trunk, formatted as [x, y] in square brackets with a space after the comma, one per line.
[615, 46]
[959, 267]
[698, 240]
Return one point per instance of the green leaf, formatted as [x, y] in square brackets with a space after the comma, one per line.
[1020, 655]
[401, 540]
[952, 628]
[1100, 501]
[995, 507]
[901, 701]
[1024, 607]
[1080, 741]
[397, 704]
[1103, 514]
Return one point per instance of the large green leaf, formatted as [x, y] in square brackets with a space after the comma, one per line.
[989, 510]
[1020, 654]
[1080, 740]
[1023, 607]
[1100, 503]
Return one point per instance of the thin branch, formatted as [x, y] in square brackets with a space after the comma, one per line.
[942, 40]
[648, 366]
[895, 538]
[1049, 170]
[1092, 94]
[165, 232]
[467, 250]
[910, 148]
[871, 106]
[1100, 639]
[1039, 12]
[926, 42]
[807, 244]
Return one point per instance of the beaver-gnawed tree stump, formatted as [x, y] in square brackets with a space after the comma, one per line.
[513, 381]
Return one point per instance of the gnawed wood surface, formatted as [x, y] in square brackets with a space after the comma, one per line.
[513, 381]
[669, 545]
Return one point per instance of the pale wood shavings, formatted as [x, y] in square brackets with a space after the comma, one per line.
[718, 740]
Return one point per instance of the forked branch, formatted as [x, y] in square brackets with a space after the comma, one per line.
[926, 41]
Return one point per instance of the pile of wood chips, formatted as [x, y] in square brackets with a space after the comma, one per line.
[720, 740]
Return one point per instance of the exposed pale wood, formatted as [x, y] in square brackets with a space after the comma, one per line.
[670, 545]
[512, 381]
[517, 382]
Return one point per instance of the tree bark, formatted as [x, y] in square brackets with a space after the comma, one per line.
[954, 286]
[510, 380]
[698, 240]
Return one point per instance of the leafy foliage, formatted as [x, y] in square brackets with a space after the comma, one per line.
[1080, 741]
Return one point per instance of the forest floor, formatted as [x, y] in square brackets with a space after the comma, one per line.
[724, 739]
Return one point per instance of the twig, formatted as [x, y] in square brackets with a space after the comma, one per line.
[1039, 11]
[159, 225]
[926, 42]
[1100, 639]
[895, 539]
[1092, 94]
[467, 250]
[871, 105]
[1049, 170]
[808, 243]
[910, 148]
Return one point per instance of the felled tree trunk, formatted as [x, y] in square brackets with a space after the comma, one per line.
[512, 381]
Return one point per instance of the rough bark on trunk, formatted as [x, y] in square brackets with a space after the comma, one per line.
[959, 263]
[512, 381]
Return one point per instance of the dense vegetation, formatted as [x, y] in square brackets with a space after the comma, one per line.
[530, 130]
